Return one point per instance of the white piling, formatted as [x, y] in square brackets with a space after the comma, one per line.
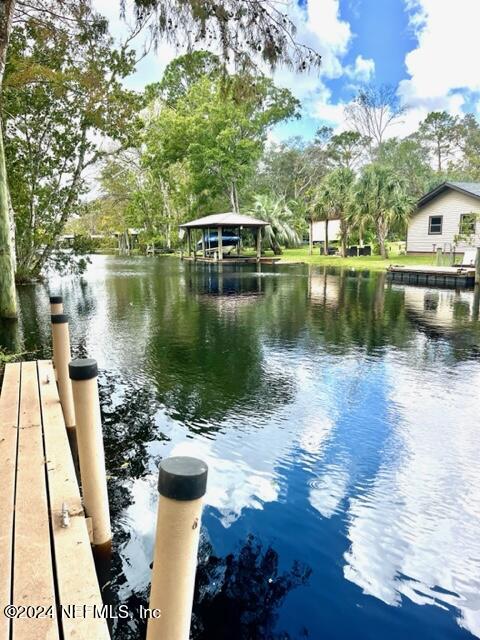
[56, 305]
[61, 358]
[83, 374]
[182, 484]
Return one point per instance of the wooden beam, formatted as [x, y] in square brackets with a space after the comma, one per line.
[76, 577]
[189, 242]
[9, 406]
[33, 571]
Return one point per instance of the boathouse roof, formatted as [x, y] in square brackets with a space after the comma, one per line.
[229, 219]
[469, 188]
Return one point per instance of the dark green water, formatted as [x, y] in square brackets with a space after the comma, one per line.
[339, 416]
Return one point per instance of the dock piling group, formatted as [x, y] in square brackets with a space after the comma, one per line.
[182, 484]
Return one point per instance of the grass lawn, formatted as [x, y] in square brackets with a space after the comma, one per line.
[361, 262]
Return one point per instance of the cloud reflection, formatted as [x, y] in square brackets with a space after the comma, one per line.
[415, 531]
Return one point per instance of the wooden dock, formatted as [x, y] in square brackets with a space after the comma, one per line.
[46, 560]
[233, 259]
[451, 277]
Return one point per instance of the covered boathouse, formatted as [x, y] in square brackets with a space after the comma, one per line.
[218, 229]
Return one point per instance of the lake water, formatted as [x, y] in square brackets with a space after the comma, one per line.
[340, 419]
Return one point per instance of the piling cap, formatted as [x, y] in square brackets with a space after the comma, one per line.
[56, 299]
[59, 318]
[83, 369]
[182, 478]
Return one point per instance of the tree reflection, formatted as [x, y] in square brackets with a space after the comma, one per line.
[206, 349]
[128, 419]
[238, 597]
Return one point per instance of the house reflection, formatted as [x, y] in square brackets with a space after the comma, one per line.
[324, 288]
[442, 310]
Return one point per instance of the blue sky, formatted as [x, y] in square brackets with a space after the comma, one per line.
[381, 33]
[425, 48]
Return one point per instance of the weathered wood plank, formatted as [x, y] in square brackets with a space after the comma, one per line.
[9, 403]
[33, 572]
[76, 578]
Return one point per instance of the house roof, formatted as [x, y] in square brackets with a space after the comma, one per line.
[469, 188]
[229, 219]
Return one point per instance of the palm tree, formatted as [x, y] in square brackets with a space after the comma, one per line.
[281, 228]
[333, 202]
[383, 200]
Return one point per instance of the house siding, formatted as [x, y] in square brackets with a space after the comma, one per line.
[318, 231]
[451, 205]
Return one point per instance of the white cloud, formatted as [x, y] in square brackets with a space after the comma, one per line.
[320, 27]
[331, 35]
[444, 65]
[362, 71]
[324, 109]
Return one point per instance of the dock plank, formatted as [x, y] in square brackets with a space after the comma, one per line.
[76, 578]
[33, 582]
[9, 407]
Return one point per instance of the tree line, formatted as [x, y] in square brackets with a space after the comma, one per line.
[203, 148]
[64, 106]
[196, 142]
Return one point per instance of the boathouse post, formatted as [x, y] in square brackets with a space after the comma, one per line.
[182, 483]
[259, 243]
[189, 243]
[83, 374]
[477, 267]
[438, 260]
[220, 242]
[476, 302]
[56, 305]
[61, 358]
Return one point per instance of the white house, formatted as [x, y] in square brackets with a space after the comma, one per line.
[318, 231]
[446, 217]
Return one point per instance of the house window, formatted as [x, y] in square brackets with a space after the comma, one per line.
[467, 224]
[435, 225]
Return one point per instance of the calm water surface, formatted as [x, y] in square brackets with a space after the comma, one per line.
[339, 416]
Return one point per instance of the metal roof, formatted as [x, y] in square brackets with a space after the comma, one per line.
[469, 188]
[224, 220]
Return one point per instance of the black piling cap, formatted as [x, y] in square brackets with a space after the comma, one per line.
[56, 299]
[59, 318]
[182, 478]
[83, 369]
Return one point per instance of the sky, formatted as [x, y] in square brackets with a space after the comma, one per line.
[426, 49]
